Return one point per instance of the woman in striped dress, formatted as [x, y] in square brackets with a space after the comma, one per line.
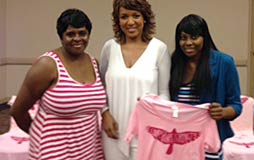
[68, 88]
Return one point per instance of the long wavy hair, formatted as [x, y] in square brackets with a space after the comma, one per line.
[139, 5]
[196, 26]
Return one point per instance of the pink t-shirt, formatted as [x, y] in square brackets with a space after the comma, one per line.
[239, 147]
[169, 130]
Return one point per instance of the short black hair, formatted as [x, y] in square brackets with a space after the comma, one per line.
[72, 17]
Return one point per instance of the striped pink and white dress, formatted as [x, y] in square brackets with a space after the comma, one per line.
[66, 126]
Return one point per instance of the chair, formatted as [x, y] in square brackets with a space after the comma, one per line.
[241, 146]
[15, 143]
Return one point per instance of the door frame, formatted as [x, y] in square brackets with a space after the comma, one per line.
[251, 50]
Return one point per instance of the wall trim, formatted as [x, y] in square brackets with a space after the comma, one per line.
[29, 61]
[241, 63]
[16, 61]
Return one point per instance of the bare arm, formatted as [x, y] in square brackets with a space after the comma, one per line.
[110, 125]
[38, 79]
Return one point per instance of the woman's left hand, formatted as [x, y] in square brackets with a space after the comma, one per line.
[216, 111]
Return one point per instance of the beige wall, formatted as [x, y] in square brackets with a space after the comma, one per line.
[29, 26]
[227, 20]
[36, 29]
[2, 49]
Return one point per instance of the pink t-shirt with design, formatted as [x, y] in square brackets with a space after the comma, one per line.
[169, 130]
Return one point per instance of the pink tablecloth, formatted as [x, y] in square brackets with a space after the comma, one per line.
[14, 145]
[240, 147]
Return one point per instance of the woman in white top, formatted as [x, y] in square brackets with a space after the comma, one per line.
[132, 64]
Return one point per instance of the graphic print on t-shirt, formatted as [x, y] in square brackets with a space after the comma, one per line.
[244, 99]
[19, 139]
[247, 145]
[173, 137]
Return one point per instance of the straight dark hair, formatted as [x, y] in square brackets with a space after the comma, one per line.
[196, 26]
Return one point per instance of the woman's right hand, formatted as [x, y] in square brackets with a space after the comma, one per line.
[110, 125]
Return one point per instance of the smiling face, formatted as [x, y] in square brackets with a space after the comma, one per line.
[191, 45]
[131, 23]
[75, 40]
